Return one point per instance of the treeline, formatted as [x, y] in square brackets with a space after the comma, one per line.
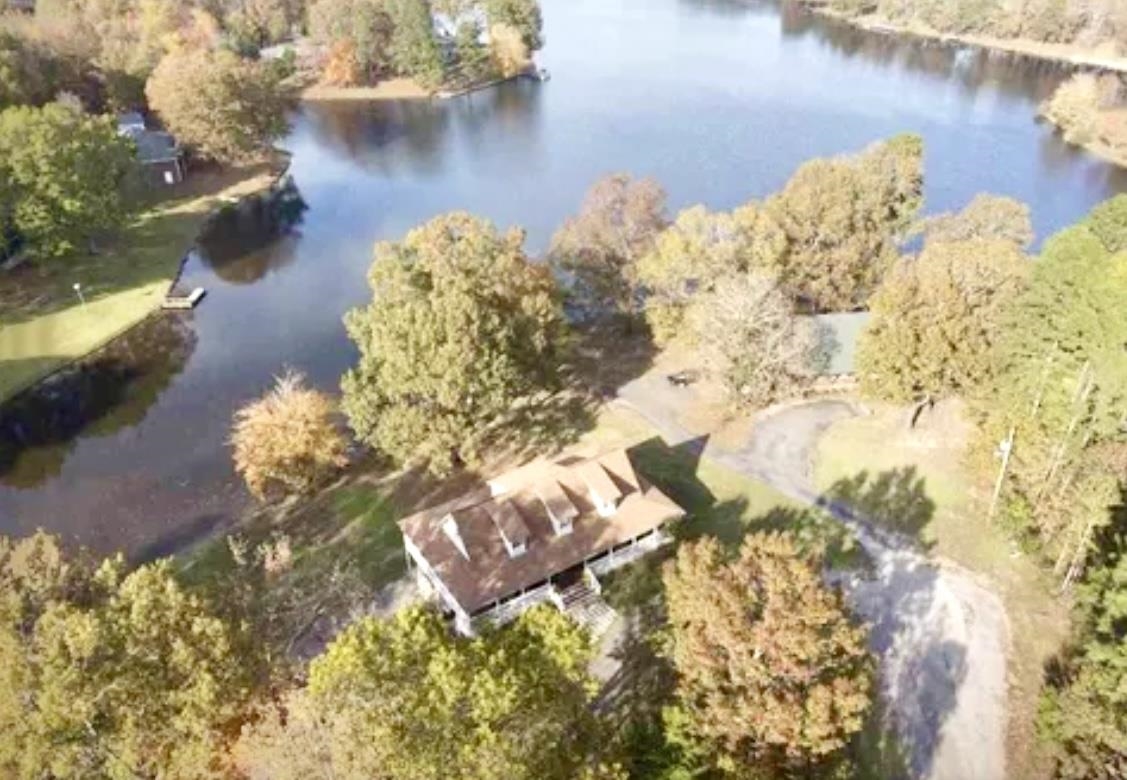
[1083, 22]
[1091, 110]
[67, 177]
[447, 42]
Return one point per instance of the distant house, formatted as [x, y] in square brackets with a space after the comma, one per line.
[544, 532]
[157, 151]
[18, 6]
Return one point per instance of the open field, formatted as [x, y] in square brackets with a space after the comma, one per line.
[43, 326]
[957, 529]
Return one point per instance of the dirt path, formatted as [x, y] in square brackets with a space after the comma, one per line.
[941, 636]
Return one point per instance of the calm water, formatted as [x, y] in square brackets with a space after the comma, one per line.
[718, 100]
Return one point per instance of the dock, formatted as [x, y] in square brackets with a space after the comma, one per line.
[181, 302]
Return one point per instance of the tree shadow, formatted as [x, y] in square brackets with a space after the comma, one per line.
[539, 426]
[893, 500]
[607, 356]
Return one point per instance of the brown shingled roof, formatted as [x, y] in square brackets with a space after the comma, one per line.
[490, 573]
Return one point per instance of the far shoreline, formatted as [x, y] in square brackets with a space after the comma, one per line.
[1063, 54]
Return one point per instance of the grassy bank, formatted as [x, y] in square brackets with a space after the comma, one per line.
[389, 89]
[929, 475]
[43, 326]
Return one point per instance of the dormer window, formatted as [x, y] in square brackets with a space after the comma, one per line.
[450, 528]
[561, 511]
[510, 526]
[602, 490]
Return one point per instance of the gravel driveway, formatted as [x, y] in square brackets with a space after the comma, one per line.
[941, 635]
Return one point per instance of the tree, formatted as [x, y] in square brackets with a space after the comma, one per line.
[986, 217]
[461, 327]
[696, 251]
[363, 26]
[64, 178]
[772, 672]
[414, 48]
[112, 675]
[405, 699]
[936, 319]
[843, 218]
[617, 224]
[26, 72]
[521, 15]
[287, 439]
[1084, 708]
[226, 108]
[257, 23]
[1061, 387]
[509, 51]
[748, 334]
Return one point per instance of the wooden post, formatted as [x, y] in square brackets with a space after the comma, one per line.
[1007, 447]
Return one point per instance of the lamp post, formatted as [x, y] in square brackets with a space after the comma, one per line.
[78, 292]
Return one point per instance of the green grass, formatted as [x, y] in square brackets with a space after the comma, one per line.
[44, 326]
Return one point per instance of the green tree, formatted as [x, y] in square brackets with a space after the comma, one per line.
[1061, 387]
[617, 224]
[772, 672]
[112, 675]
[843, 219]
[363, 24]
[414, 48]
[986, 217]
[1084, 709]
[461, 327]
[27, 72]
[406, 699]
[747, 333]
[64, 177]
[936, 318]
[522, 15]
[228, 109]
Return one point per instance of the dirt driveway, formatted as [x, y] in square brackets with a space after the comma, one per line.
[941, 635]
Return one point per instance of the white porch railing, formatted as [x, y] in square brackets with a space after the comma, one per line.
[626, 555]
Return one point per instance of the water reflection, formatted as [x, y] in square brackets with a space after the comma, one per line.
[111, 390]
[237, 242]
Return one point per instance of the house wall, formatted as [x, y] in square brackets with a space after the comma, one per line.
[154, 172]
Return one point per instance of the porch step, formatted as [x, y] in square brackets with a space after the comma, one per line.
[587, 608]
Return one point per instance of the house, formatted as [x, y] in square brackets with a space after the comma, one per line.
[544, 532]
[159, 154]
[18, 6]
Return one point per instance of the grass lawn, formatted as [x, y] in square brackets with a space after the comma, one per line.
[43, 324]
[955, 526]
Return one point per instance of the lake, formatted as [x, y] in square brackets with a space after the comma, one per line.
[718, 100]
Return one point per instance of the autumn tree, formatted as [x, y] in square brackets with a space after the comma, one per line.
[987, 217]
[936, 319]
[699, 249]
[406, 699]
[461, 327]
[227, 108]
[253, 24]
[1061, 387]
[748, 334]
[112, 675]
[772, 671]
[597, 249]
[521, 15]
[414, 48]
[288, 439]
[843, 219]
[508, 50]
[64, 178]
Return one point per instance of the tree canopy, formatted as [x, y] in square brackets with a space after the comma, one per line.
[936, 319]
[617, 224]
[288, 439]
[64, 178]
[772, 672]
[987, 218]
[112, 675]
[461, 327]
[843, 219]
[227, 108]
[406, 699]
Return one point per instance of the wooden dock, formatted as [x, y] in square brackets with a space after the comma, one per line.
[181, 302]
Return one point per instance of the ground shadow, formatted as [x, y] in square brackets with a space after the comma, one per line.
[894, 500]
[607, 355]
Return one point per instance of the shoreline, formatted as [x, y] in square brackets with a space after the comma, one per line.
[1062, 54]
[400, 89]
[250, 184]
